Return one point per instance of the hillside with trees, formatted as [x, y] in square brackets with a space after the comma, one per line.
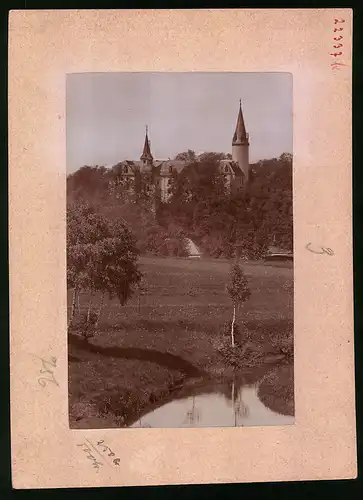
[228, 226]
[199, 207]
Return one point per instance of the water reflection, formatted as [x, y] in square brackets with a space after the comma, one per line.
[223, 405]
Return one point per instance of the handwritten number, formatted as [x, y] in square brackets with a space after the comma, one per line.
[338, 29]
[337, 54]
[95, 463]
[337, 38]
[325, 250]
[45, 370]
[336, 65]
[336, 21]
[329, 251]
[338, 45]
[107, 449]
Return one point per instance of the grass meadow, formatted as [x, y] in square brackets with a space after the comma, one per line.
[169, 337]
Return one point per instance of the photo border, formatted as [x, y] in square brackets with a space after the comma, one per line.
[317, 447]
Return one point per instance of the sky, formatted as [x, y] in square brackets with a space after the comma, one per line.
[107, 114]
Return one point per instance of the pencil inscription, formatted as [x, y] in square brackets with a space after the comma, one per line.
[319, 250]
[99, 458]
[47, 371]
[96, 464]
[107, 450]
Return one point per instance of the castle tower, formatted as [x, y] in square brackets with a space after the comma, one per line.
[147, 157]
[240, 145]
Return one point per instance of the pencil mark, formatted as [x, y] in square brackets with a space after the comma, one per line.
[107, 449]
[321, 250]
[95, 463]
[47, 371]
[102, 457]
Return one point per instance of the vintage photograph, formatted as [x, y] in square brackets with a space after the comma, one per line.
[180, 280]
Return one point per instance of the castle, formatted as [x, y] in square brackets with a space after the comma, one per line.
[156, 174]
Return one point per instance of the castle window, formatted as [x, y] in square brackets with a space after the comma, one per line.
[226, 168]
[126, 169]
[170, 169]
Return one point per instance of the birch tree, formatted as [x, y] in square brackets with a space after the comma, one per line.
[239, 292]
[101, 258]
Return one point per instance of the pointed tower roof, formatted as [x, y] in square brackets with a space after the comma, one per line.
[146, 153]
[240, 135]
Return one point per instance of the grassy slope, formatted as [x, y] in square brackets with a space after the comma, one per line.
[183, 313]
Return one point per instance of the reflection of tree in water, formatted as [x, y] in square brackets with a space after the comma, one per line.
[239, 407]
[193, 415]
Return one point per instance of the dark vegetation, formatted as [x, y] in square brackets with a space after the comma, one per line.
[178, 334]
[144, 322]
[200, 208]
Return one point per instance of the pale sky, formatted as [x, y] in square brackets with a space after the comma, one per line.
[107, 114]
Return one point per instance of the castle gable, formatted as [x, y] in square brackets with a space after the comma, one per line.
[170, 166]
[231, 167]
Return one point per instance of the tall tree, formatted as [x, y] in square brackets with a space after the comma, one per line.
[239, 292]
[187, 156]
[101, 257]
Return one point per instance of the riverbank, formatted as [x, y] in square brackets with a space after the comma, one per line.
[148, 350]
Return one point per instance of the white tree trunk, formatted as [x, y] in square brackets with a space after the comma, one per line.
[232, 327]
[99, 312]
[78, 302]
[89, 307]
[73, 310]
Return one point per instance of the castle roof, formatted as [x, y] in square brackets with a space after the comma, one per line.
[169, 166]
[240, 135]
[146, 153]
[233, 167]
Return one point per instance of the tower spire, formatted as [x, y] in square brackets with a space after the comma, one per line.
[240, 135]
[240, 145]
[146, 153]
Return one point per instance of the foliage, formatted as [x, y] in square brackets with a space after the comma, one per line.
[101, 254]
[200, 207]
[238, 288]
[239, 292]
[187, 156]
[190, 156]
[233, 225]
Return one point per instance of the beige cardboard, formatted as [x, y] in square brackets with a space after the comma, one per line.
[44, 47]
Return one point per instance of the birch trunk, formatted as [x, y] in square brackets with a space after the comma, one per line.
[73, 310]
[233, 322]
[89, 308]
[78, 302]
[99, 312]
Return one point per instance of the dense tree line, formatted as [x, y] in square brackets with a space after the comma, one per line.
[130, 200]
[226, 225]
[200, 207]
